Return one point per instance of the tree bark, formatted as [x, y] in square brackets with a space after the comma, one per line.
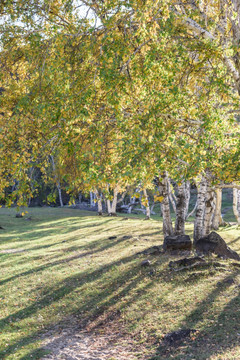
[209, 208]
[147, 207]
[99, 202]
[181, 206]
[131, 204]
[151, 209]
[188, 195]
[217, 218]
[165, 206]
[60, 194]
[100, 209]
[172, 201]
[236, 205]
[92, 203]
[109, 207]
[198, 224]
[193, 210]
[114, 202]
[57, 182]
[112, 205]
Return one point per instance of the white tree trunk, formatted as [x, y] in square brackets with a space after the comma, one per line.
[172, 201]
[109, 207]
[236, 204]
[114, 202]
[198, 224]
[60, 194]
[165, 206]
[209, 209]
[92, 203]
[181, 206]
[147, 211]
[217, 218]
[131, 204]
[57, 182]
[140, 202]
[193, 210]
[172, 196]
[99, 202]
[112, 205]
[188, 195]
[151, 209]
[100, 209]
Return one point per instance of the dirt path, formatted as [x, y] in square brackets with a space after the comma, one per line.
[75, 344]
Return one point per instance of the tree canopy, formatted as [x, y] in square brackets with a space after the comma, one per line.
[119, 91]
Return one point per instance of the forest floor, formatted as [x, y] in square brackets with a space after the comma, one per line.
[72, 287]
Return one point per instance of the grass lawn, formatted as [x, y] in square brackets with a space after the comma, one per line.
[62, 265]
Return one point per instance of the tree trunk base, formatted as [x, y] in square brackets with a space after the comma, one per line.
[112, 214]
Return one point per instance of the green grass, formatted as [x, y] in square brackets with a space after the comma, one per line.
[62, 265]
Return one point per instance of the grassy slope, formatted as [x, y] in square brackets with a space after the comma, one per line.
[62, 264]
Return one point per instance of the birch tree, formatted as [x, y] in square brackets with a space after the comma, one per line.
[165, 206]
[217, 218]
[57, 181]
[145, 202]
[236, 204]
[181, 208]
[198, 224]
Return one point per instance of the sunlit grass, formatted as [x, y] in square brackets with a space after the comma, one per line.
[62, 264]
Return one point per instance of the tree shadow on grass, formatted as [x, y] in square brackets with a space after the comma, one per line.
[216, 337]
[158, 232]
[97, 323]
[72, 282]
[87, 246]
[37, 234]
[42, 247]
[92, 247]
[114, 290]
[234, 241]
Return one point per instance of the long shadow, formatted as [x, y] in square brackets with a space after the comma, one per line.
[74, 237]
[64, 288]
[212, 339]
[45, 233]
[96, 318]
[66, 260]
[10, 349]
[87, 246]
[99, 301]
[152, 233]
[70, 239]
[93, 308]
[233, 241]
[35, 248]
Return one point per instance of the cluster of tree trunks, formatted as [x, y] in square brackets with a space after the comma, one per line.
[208, 206]
[207, 209]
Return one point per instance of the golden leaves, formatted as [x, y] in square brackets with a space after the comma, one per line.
[158, 198]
